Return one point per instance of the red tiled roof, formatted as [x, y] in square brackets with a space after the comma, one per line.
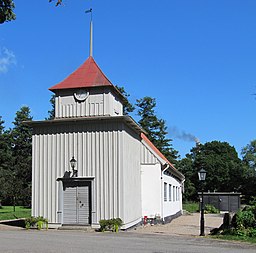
[87, 75]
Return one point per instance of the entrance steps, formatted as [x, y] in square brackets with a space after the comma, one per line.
[77, 227]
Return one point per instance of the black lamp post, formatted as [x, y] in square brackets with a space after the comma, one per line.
[73, 165]
[202, 176]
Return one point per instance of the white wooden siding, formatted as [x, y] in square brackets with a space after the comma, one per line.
[98, 155]
[131, 177]
[147, 157]
[99, 103]
[104, 151]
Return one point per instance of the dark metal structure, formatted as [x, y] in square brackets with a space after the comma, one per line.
[224, 201]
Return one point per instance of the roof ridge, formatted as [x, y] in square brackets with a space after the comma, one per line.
[87, 75]
[100, 70]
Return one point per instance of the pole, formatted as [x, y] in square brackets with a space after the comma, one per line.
[91, 32]
[202, 215]
[91, 38]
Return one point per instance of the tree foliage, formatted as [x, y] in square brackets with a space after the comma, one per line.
[58, 2]
[5, 157]
[249, 161]
[249, 157]
[127, 106]
[7, 11]
[156, 128]
[16, 160]
[225, 171]
[51, 113]
[21, 146]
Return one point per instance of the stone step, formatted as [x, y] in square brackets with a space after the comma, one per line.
[76, 227]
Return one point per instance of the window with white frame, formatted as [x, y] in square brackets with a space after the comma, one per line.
[173, 193]
[170, 192]
[165, 191]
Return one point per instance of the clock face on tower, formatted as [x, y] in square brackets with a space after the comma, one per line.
[81, 95]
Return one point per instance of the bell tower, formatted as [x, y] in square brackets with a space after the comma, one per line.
[87, 92]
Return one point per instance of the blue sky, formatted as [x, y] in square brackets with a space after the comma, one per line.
[196, 57]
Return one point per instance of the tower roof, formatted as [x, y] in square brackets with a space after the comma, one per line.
[87, 75]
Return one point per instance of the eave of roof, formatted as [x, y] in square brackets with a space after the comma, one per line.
[126, 119]
[161, 156]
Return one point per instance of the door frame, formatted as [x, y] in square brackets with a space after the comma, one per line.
[76, 182]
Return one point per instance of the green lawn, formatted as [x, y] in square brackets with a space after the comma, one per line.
[6, 212]
[235, 238]
[191, 207]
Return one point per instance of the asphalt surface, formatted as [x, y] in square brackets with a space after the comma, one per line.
[52, 241]
[179, 236]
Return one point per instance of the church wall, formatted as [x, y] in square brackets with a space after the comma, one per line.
[172, 204]
[131, 177]
[147, 157]
[151, 190]
[96, 147]
[161, 192]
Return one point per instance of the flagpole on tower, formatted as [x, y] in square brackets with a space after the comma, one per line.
[91, 31]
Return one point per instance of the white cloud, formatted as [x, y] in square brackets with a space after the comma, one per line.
[7, 58]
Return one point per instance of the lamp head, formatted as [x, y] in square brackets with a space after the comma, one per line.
[73, 163]
[202, 175]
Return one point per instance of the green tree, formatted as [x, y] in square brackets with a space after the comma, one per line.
[5, 158]
[21, 144]
[249, 157]
[6, 11]
[51, 113]
[225, 171]
[249, 161]
[127, 106]
[156, 128]
[186, 167]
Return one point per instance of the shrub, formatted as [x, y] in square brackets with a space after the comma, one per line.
[111, 224]
[211, 209]
[36, 222]
[245, 219]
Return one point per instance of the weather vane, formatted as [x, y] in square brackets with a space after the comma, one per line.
[91, 30]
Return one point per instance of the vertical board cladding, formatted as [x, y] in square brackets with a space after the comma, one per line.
[131, 177]
[147, 157]
[98, 103]
[96, 147]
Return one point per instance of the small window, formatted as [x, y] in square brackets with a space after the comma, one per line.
[165, 191]
[170, 192]
[173, 193]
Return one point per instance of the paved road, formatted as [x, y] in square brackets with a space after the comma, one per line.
[75, 241]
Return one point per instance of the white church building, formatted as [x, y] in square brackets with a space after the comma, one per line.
[91, 162]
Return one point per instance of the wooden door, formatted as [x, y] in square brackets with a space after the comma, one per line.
[76, 205]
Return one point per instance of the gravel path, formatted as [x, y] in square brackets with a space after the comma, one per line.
[185, 225]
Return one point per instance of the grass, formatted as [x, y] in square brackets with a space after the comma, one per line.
[192, 207]
[6, 212]
[235, 238]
